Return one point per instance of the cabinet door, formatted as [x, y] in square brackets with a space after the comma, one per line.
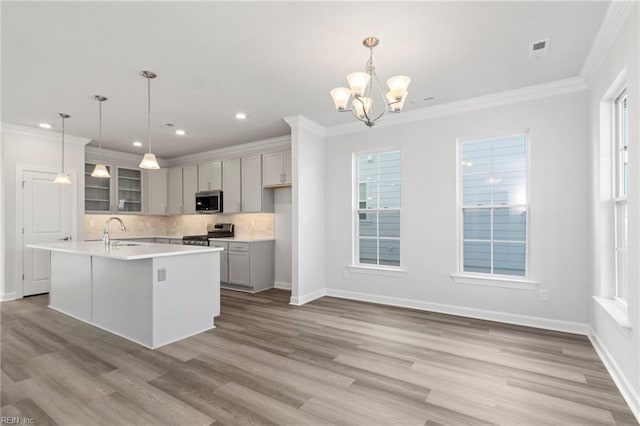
[157, 191]
[239, 268]
[210, 176]
[129, 190]
[231, 186]
[215, 170]
[272, 172]
[97, 191]
[252, 184]
[224, 267]
[286, 172]
[189, 188]
[175, 190]
[204, 177]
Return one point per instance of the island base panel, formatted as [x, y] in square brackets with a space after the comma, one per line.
[71, 285]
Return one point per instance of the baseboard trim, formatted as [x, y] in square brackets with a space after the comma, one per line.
[631, 397]
[528, 321]
[299, 301]
[281, 285]
[6, 297]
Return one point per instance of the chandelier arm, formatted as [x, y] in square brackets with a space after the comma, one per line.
[364, 110]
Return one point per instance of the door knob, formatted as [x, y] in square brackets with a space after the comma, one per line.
[65, 239]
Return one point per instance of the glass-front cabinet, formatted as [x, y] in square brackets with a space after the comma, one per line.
[129, 191]
[97, 192]
[121, 193]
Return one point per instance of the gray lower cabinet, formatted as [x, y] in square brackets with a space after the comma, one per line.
[246, 266]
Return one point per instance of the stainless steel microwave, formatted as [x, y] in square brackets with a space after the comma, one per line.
[209, 202]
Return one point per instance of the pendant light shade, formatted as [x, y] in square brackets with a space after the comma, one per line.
[100, 171]
[62, 177]
[149, 161]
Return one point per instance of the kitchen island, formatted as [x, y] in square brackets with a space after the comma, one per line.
[152, 294]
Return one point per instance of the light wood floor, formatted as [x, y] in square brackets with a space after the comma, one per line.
[329, 362]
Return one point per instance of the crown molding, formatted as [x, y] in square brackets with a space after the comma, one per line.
[92, 153]
[34, 132]
[267, 145]
[523, 94]
[304, 123]
[617, 13]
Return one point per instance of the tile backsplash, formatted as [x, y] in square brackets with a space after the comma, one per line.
[247, 225]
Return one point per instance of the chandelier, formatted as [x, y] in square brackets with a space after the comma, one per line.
[361, 87]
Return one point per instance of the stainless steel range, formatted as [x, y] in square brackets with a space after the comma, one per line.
[219, 230]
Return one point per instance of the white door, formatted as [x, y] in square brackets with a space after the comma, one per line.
[46, 217]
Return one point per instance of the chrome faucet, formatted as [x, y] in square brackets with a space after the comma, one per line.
[105, 235]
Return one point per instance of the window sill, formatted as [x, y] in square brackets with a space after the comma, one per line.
[619, 314]
[513, 283]
[376, 270]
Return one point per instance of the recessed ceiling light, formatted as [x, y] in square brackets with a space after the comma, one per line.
[137, 143]
[180, 132]
[45, 125]
[241, 115]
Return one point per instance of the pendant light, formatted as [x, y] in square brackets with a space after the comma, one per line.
[100, 171]
[62, 177]
[149, 160]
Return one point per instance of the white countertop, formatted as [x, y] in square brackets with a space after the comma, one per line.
[123, 252]
[241, 240]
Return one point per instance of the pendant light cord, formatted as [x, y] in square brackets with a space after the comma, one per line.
[149, 113]
[100, 131]
[62, 144]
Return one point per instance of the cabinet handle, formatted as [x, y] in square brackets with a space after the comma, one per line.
[239, 207]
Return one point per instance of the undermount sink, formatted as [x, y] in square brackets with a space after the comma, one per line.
[119, 244]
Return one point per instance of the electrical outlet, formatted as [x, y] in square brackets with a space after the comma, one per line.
[543, 295]
[162, 274]
[345, 275]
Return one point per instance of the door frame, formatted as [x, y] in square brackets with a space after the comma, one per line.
[19, 212]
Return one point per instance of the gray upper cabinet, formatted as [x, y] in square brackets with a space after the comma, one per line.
[231, 186]
[183, 185]
[251, 184]
[276, 169]
[189, 188]
[156, 192]
[210, 176]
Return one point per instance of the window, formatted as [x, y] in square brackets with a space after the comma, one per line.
[377, 210]
[621, 179]
[493, 206]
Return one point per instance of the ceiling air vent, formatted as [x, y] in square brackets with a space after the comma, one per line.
[539, 48]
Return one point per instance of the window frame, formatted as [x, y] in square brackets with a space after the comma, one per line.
[502, 280]
[620, 197]
[356, 211]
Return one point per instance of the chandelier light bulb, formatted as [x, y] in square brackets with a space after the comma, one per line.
[358, 82]
[362, 106]
[398, 86]
[340, 96]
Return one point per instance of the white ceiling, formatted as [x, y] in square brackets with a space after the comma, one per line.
[267, 59]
